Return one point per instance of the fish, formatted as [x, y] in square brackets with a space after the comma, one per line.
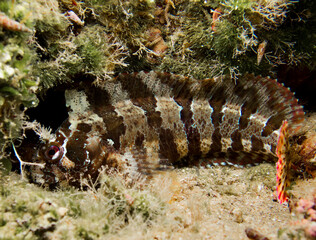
[147, 122]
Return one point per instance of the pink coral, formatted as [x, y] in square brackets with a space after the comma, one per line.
[310, 231]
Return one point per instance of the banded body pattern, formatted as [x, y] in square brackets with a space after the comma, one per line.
[144, 121]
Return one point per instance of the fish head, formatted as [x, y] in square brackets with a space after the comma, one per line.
[65, 157]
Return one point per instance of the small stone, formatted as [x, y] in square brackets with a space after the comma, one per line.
[237, 213]
[304, 205]
[311, 230]
[129, 199]
[5, 57]
[312, 214]
[9, 71]
[1, 73]
[254, 234]
[62, 211]
[46, 205]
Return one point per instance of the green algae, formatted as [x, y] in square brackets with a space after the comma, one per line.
[29, 211]
[17, 88]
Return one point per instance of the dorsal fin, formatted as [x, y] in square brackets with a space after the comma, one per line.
[255, 94]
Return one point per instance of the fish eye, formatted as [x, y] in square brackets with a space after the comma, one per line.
[54, 152]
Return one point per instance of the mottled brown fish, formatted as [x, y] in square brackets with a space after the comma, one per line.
[146, 121]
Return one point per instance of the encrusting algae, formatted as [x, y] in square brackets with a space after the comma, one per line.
[17, 89]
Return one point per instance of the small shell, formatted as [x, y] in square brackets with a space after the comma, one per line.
[74, 18]
[261, 51]
[12, 25]
[216, 15]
